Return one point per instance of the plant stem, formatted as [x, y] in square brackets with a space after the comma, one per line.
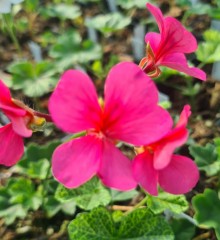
[140, 204]
[202, 64]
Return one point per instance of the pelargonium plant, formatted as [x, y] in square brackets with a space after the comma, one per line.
[128, 113]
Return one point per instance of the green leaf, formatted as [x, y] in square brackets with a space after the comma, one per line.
[62, 11]
[88, 196]
[22, 191]
[101, 70]
[7, 211]
[109, 23]
[36, 162]
[88, 1]
[199, 9]
[31, 6]
[130, 4]
[12, 212]
[183, 229]
[34, 79]
[35, 152]
[17, 197]
[206, 158]
[209, 51]
[118, 196]
[163, 201]
[212, 36]
[52, 206]
[97, 224]
[140, 224]
[68, 207]
[37, 169]
[70, 50]
[207, 208]
[217, 147]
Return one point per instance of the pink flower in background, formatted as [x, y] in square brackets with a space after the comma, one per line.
[168, 47]
[129, 113]
[11, 135]
[176, 174]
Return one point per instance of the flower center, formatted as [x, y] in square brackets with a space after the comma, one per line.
[32, 122]
[148, 64]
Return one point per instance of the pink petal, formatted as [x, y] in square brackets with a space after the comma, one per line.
[166, 147]
[116, 170]
[77, 161]
[175, 138]
[153, 39]
[131, 105]
[180, 176]
[74, 103]
[178, 62]
[6, 104]
[5, 92]
[155, 11]
[19, 125]
[185, 114]
[176, 38]
[12, 147]
[144, 172]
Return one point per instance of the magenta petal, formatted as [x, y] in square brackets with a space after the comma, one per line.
[178, 62]
[158, 123]
[165, 149]
[12, 147]
[180, 176]
[176, 38]
[144, 172]
[74, 103]
[6, 103]
[175, 138]
[20, 126]
[153, 39]
[116, 170]
[77, 161]
[5, 92]
[155, 11]
[185, 114]
[130, 104]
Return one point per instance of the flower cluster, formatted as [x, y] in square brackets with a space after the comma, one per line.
[128, 113]
[23, 122]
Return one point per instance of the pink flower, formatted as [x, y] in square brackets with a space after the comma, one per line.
[167, 48]
[129, 113]
[11, 135]
[157, 164]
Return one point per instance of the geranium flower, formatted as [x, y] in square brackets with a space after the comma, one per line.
[157, 164]
[11, 135]
[5, 5]
[168, 47]
[129, 113]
